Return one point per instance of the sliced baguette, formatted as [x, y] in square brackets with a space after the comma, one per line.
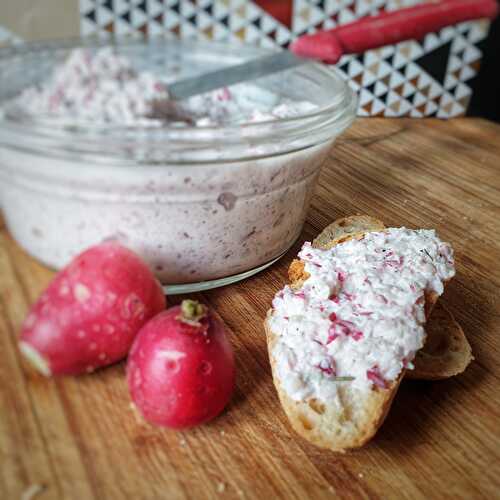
[446, 352]
[340, 231]
[347, 228]
[359, 415]
[338, 429]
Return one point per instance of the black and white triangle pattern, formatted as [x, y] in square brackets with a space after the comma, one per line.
[237, 20]
[430, 77]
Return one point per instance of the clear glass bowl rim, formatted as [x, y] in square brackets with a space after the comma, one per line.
[332, 118]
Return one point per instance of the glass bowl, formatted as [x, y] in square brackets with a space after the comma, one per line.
[204, 206]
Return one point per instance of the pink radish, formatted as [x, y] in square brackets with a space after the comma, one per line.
[91, 312]
[390, 27]
[181, 370]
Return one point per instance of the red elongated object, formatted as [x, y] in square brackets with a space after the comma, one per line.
[390, 28]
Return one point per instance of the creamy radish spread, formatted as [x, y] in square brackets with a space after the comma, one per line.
[358, 319]
[104, 87]
[190, 222]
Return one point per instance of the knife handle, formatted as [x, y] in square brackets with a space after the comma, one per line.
[391, 27]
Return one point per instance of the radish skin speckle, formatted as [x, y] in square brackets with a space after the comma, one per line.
[172, 355]
[137, 378]
[109, 328]
[132, 307]
[205, 368]
[111, 298]
[30, 321]
[81, 292]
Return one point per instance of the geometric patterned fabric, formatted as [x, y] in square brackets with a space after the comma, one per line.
[429, 77]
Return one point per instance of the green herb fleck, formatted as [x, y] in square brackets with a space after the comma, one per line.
[428, 254]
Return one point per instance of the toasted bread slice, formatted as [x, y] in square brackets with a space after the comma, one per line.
[358, 417]
[343, 230]
[337, 232]
[446, 352]
[347, 228]
[336, 428]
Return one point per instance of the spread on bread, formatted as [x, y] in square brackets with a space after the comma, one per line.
[358, 317]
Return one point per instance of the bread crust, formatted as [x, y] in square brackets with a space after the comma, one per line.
[345, 426]
[325, 426]
[446, 352]
[346, 228]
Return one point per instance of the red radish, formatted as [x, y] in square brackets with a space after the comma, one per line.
[390, 27]
[91, 312]
[180, 370]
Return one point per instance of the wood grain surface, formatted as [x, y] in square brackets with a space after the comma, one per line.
[78, 438]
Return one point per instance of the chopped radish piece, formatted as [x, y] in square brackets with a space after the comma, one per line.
[374, 375]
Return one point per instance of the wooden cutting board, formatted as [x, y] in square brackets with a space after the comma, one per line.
[78, 438]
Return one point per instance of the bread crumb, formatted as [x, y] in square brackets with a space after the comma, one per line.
[360, 475]
[240, 493]
[331, 489]
[182, 442]
[221, 487]
[222, 433]
[32, 491]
